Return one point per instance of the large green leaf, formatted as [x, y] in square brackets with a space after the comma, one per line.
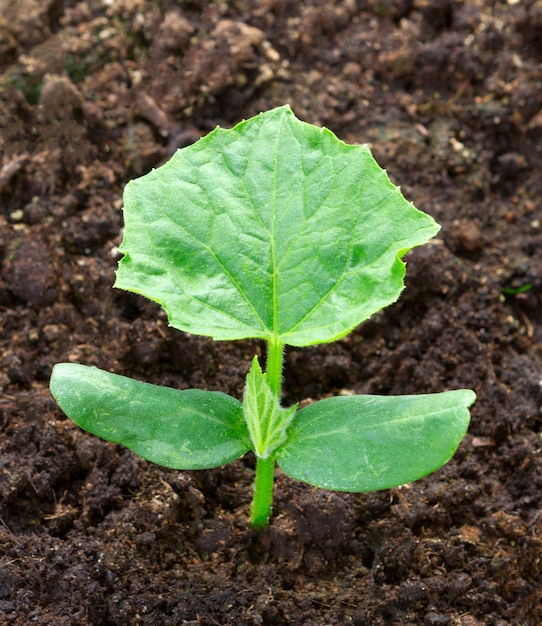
[366, 443]
[273, 229]
[190, 429]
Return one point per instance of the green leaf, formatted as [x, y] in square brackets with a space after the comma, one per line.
[190, 429]
[366, 443]
[266, 420]
[274, 229]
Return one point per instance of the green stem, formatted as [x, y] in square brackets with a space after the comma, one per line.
[265, 468]
[263, 492]
[275, 358]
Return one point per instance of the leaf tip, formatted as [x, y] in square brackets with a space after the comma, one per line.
[469, 397]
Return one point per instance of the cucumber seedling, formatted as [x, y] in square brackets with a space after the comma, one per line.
[276, 230]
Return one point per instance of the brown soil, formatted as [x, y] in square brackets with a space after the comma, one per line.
[449, 95]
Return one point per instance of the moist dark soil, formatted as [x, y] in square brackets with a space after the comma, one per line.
[449, 96]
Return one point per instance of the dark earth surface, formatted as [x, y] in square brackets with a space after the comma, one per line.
[449, 96]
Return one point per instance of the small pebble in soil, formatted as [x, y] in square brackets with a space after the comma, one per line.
[465, 236]
[434, 619]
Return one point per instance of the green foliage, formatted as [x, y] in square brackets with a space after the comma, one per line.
[275, 230]
[266, 420]
[514, 291]
[191, 429]
[398, 440]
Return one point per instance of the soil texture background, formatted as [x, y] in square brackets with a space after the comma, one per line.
[449, 96]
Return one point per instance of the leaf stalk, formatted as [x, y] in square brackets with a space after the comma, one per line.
[275, 360]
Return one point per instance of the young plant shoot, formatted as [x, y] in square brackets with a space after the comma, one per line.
[275, 230]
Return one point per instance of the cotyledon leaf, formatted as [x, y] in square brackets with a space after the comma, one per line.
[191, 429]
[367, 443]
[273, 229]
